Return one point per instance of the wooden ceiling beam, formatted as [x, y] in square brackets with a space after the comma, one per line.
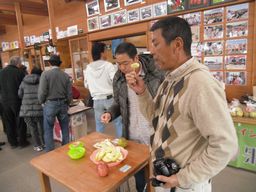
[7, 19]
[27, 7]
[7, 7]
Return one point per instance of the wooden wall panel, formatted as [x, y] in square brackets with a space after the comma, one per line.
[67, 14]
[35, 25]
[11, 34]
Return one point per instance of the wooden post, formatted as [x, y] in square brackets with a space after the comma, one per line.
[51, 20]
[20, 27]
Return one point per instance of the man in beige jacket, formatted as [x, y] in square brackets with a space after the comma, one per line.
[189, 113]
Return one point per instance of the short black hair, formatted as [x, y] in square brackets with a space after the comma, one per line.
[173, 27]
[127, 48]
[97, 49]
[36, 70]
[55, 60]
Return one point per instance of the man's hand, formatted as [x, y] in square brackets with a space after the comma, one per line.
[135, 82]
[105, 117]
[170, 182]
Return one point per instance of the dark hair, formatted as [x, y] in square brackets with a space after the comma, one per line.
[55, 60]
[36, 70]
[173, 27]
[127, 48]
[97, 49]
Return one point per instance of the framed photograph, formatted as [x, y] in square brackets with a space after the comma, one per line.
[213, 16]
[235, 62]
[130, 2]
[236, 46]
[193, 4]
[213, 48]
[237, 29]
[214, 2]
[236, 78]
[214, 63]
[133, 15]
[193, 18]
[160, 9]
[237, 12]
[93, 23]
[218, 75]
[173, 6]
[146, 12]
[72, 30]
[119, 18]
[196, 49]
[105, 21]
[213, 32]
[92, 8]
[195, 33]
[110, 5]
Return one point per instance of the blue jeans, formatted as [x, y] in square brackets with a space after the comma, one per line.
[100, 107]
[53, 109]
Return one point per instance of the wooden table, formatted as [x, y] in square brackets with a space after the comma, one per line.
[81, 175]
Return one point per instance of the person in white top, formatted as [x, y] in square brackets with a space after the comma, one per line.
[98, 78]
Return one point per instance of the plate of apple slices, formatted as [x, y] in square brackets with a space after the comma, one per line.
[112, 156]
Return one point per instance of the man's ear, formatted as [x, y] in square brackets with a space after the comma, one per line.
[136, 58]
[179, 44]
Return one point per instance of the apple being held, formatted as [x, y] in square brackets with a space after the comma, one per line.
[102, 169]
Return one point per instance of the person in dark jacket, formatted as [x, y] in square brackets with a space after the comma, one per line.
[31, 109]
[136, 127]
[10, 79]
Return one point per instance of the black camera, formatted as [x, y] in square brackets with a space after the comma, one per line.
[164, 166]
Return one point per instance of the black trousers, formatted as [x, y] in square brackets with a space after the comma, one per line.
[2, 117]
[15, 126]
[140, 180]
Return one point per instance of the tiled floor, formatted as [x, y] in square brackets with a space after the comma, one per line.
[17, 175]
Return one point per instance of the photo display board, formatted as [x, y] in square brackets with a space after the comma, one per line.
[220, 41]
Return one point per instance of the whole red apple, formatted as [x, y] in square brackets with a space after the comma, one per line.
[102, 169]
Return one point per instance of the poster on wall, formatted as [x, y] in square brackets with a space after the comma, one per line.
[214, 63]
[110, 5]
[133, 15]
[235, 62]
[119, 18]
[237, 29]
[92, 8]
[131, 2]
[174, 5]
[193, 4]
[213, 32]
[236, 46]
[105, 21]
[237, 12]
[146, 12]
[93, 23]
[213, 48]
[193, 18]
[196, 49]
[213, 16]
[72, 30]
[195, 33]
[236, 78]
[160, 9]
[218, 75]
